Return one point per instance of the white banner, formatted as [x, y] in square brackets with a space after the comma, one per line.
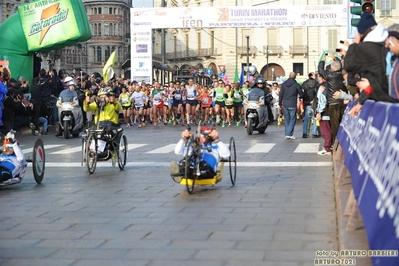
[240, 16]
[141, 53]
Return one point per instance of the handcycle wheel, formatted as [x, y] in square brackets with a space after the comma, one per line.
[91, 154]
[38, 161]
[122, 152]
[189, 173]
[84, 150]
[232, 161]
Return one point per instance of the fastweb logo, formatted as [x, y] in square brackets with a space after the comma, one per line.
[49, 17]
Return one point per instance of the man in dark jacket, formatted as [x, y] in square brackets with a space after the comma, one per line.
[335, 82]
[288, 99]
[309, 88]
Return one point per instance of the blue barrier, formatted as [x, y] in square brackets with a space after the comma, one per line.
[370, 142]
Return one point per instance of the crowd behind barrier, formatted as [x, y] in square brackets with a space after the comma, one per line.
[370, 143]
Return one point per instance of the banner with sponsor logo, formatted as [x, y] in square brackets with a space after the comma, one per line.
[141, 52]
[370, 143]
[240, 16]
[48, 23]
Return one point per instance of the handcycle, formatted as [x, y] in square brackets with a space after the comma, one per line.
[102, 144]
[191, 162]
[38, 165]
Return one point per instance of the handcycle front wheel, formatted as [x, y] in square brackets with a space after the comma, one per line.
[233, 161]
[189, 174]
[91, 154]
[122, 152]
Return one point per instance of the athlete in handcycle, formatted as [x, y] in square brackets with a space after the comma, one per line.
[106, 140]
[13, 163]
[204, 158]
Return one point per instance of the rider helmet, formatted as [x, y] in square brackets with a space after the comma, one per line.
[106, 91]
[205, 130]
[260, 80]
[68, 79]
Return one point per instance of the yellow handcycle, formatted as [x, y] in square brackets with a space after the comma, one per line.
[191, 162]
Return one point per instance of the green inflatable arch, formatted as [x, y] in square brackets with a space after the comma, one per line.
[41, 26]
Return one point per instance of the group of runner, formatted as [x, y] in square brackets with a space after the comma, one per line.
[184, 103]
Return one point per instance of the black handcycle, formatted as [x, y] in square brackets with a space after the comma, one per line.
[103, 144]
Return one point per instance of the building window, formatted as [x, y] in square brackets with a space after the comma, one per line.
[385, 7]
[98, 29]
[98, 54]
[187, 45]
[99, 11]
[332, 40]
[212, 34]
[110, 10]
[298, 36]
[175, 45]
[107, 52]
[272, 37]
[199, 42]
[298, 68]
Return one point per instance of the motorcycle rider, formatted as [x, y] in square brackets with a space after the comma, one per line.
[209, 158]
[12, 161]
[110, 108]
[260, 83]
[67, 95]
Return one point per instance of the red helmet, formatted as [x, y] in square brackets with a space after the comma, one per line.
[205, 130]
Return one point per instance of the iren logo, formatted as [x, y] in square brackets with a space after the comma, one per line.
[50, 17]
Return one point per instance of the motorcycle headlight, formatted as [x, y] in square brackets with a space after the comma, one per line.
[99, 136]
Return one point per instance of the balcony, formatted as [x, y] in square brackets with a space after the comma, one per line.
[276, 50]
[243, 50]
[187, 55]
[298, 50]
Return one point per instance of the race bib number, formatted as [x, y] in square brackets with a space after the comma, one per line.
[205, 100]
[101, 145]
[178, 97]
[229, 101]
[125, 100]
[219, 96]
[237, 96]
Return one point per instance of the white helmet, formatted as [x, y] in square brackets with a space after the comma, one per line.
[67, 79]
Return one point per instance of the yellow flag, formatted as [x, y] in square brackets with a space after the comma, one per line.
[108, 71]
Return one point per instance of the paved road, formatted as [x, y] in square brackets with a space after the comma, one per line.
[280, 212]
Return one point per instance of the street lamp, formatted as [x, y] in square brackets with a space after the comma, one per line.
[247, 56]
[272, 73]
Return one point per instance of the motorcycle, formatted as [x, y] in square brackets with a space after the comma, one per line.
[71, 116]
[256, 111]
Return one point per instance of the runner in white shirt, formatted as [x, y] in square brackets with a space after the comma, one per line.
[138, 98]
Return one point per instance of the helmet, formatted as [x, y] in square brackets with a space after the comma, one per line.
[71, 82]
[260, 80]
[105, 91]
[68, 79]
[205, 130]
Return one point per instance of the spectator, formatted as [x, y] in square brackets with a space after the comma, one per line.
[323, 118]
[22, 112]
[367, 56]
[36, 101]
[288, 99]
[309, 88]
[364, 84]
[3, 93]
[335, 82]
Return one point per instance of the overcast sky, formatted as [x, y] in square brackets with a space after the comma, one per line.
[142, 3]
